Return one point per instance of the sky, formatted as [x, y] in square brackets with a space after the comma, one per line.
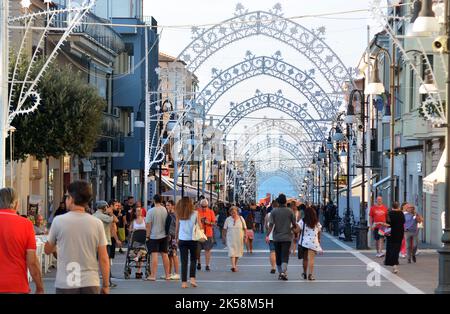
[346, 34]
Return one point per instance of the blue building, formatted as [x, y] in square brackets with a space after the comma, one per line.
[129, 89]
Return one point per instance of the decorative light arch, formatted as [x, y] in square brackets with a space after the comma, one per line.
[275, 67]
[295, 151]
[245, 24]
[275, 101]
[296, 133]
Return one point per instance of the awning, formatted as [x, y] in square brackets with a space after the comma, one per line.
[437, 176]
[382, 181]
[356, 182]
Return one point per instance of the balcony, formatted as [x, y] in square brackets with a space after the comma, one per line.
[101, 35]
[111, 140]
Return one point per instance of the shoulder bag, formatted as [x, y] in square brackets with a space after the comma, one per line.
[197, 233]
[301, 250]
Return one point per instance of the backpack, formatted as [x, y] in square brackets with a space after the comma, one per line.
[170, 226]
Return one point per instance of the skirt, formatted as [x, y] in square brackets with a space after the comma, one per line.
[392, 253]
[250, 234]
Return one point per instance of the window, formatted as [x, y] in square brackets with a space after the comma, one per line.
[129, 47]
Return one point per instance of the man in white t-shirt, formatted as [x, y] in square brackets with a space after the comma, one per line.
[78, 238]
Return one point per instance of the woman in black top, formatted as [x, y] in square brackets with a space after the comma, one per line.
[394, 241]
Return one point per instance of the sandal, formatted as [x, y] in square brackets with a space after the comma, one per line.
[304, 276]
[193, 284]
[311, 277]
[233, 269]
[184, 285]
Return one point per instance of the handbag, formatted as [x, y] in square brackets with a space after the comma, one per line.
[384, 231]
[197, 233]
[301, 249]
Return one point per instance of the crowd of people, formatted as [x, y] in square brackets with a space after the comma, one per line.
[85, 241]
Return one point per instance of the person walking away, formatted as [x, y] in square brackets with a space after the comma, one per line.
[17, 248]
[394, 241]
[105, 214]
[173, 246]
[79, 238]
[186, 218]
[270, 239]
[412, 219]
[258, 220]
[138, 223]
[309, 242]
[234, 233]
[297, 218]
[378, 214]
[157, 237]
[404, 209]
[282, 222]
[250, 234]
[221, 218]
[208, 221]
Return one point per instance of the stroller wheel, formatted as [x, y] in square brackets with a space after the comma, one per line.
[147, 274]
[126, 275]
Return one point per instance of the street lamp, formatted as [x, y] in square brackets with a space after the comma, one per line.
[375, 87]
[426, 22]
[349, 120]
[362, 229]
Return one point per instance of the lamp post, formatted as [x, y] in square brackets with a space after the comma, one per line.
[349, 119]
[426, 22]
[375, 87]
[362, 229]
[313, 166]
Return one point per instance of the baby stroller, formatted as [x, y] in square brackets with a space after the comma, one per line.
[137, 254]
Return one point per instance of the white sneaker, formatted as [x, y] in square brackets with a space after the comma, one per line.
[395, 270]
[378, 255]
[381, 254]
[175, 277]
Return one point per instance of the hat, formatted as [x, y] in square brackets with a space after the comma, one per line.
[101, 205]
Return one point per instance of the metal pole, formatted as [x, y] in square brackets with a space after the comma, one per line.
[348, 228]
[147, 125]
[361, 240]
[444, 252]
[337, 195]
[392, 131]
[203, 154]
[4, 107]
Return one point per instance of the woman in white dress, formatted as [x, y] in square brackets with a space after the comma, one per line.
[234, 231]
[309, 241]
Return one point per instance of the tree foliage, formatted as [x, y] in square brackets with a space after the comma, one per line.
[67, 121]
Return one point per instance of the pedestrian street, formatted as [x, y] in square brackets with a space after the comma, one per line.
[338, 270]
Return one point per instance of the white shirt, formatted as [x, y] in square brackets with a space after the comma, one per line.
[186, 228]
[310, 238]
[271, 232]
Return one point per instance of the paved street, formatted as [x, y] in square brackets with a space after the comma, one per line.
[339, 270]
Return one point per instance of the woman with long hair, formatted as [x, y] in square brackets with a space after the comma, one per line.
[270, 240]
[138, 223]
[294, 208]
[404, 208]
[187, 217]
[250, 234]
[309, 241]
[394, 241]
[234, 232]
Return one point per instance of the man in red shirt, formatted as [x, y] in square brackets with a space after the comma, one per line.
[208, 221]
[378, 214]
[17, 248]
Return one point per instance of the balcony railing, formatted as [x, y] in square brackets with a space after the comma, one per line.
[103, 35]
[110, 126]
[107, 145]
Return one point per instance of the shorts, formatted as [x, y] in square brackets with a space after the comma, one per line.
[272, 246]
[250, 234]
[172, 247]
[376, 235]
[207, 245]
[158, 245]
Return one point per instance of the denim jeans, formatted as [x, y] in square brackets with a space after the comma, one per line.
[411, 239]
